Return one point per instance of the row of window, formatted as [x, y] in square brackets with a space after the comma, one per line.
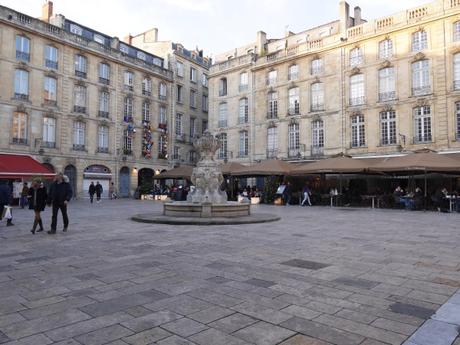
[422, 129]
[192, 98]
[193, 132]
[180, 71]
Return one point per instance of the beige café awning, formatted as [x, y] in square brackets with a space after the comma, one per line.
[265, 168]
[181, 172]
[336, 165]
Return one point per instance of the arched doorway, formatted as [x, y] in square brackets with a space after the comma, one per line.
[123, 187]
[97, 173]
[71, 173]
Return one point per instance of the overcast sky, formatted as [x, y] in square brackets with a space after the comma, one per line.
[213, 25]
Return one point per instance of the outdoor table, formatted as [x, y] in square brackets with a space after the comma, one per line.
[372, 197]
[406, 198]
[452, 199]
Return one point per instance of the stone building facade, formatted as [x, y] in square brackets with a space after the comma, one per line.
[362, 88]
[189, 99]
[81, 101]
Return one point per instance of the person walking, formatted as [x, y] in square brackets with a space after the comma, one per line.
[99, 191]
[5, 198]
[24, 195]
[287, 194]
[91, 191]
[59, 196]
[306, 195]
[37, 201]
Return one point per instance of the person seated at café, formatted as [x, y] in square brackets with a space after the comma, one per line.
[440, 200]
[397, 196]
[416, 202]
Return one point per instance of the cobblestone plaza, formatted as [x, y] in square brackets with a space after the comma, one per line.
[319, 276]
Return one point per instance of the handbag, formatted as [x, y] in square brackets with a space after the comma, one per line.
[7, 212]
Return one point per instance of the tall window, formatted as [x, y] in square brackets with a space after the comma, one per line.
[223, 116]
[22, 48]
[127, 142]
[49, 132]
[51, 57]
[421, 78]
[244, 82]
[317, 134]
[457, 71]
[356, 57]
[316, 66]
[272, 142]
[103, 139]
[128, 109]
[358, 131]
[193, 98]
[192, 127]
[193, 75]
[104, 73]
[271, 77]
[272, 105]
[79, 129]
[243, 115]
[50, 89]
[21, 84]
[162, 146]
[419, 41]
[223, 146]
[104, 102]
[162, 91]
[387, 84]
[79, 99]
[81, 66]
[204, 103]
[180, 69]
[244, 144]
[162, 119]
[293, 139]
[178, 124]
[357, 92]
[204, 126]
[176, 152]
[386, 49]
[147, 86]
[204, 80]
[223, 87]
[146, 111]
[388, 127]
[457, 31]
[128, 81]
[293, 72]
[457, 113]
[294, 103]
[179, 95]
[20, 128]
[317, 97]
[422, 124]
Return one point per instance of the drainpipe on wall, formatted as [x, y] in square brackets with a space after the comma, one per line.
[172, 138]
[342, 101]
[445, 83]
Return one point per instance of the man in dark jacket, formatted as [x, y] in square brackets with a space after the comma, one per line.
[99, 191]
[59, 195]
[5, 197]
[91, 191]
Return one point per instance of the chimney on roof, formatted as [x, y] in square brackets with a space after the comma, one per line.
[47, 11]
[260, 42]
[358, 19]
[128, 39]
[344, 16]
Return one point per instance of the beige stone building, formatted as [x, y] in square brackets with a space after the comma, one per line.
[363, 88]
[189, 99]
[81, 101]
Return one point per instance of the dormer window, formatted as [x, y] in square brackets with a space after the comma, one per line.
[75, 29]
[124, 48]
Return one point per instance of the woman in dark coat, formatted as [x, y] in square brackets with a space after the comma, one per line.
[37, 202]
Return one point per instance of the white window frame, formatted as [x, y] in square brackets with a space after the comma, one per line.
[423, 131]
[317, 128]
[178, 124]
[456, 68]
[103, 137]
[356, 57]
[243, 110]
[21, 82]
[419, 41]
[49, 130]
[272, 104]
[50, 89]
[223, 115]
[386, 49]
[388, 127]
[180, 69]
[272, 141]
[421, 84]
[387, 84]
[293, 136]
[293, 72]
[358, 131]
[243, 146]
[357, 90]
[317, 96]
[20, 127]
[79, 133]
[294, 101]
[316, 66]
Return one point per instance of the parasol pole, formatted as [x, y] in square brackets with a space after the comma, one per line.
[425, 190]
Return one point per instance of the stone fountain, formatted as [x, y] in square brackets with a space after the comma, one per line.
[206, 203]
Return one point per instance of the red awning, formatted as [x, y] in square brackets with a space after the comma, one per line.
[22, 166]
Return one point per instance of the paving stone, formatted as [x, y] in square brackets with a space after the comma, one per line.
[301, 312]
[38, 339]
[209, 315]
[299, 263]
[356, 282]
[259, 282]
[184, 327]
[138, 311]
[10, 318]
[322, 332]
[113, 305]
[233, 323]
[449, 312]
[56, 307]
[87, 326]
[182, 304]
[413, 310]
[262, 333]
[216, 337]
[175, 340]
[25, 328]
[3, 337]
[435, 333]
[262, 313]
[151, 320]
[303, 340]
[74, 342]
[356, 316]
[104, 335]
[397, 327]
[218, 280]
[147, 337]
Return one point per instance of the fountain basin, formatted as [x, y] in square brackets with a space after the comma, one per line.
[206, 210]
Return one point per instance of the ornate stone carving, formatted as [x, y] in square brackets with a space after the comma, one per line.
[419, 56]
[355, 70]
[207, 176]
